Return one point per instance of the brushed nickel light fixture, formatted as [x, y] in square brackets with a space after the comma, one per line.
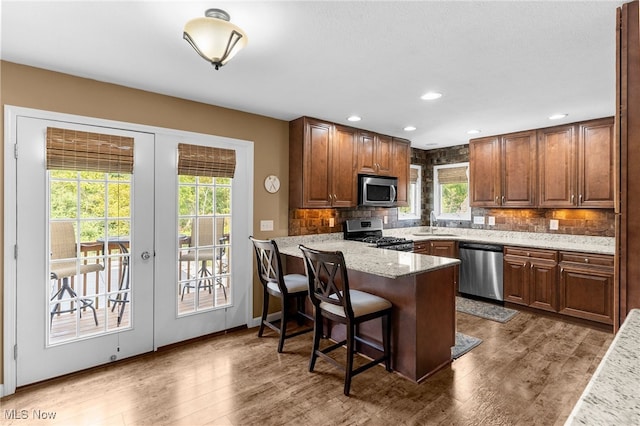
[215, 38]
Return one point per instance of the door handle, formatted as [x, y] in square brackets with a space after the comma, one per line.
[145, 255]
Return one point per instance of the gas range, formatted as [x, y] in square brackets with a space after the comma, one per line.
[370, 231]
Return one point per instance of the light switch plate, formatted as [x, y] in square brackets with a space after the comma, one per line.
[553, 224]
[478, 220]
[332, 222]
[266, 225]
[492, 220]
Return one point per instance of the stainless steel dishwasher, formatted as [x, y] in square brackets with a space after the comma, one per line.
[481, 270]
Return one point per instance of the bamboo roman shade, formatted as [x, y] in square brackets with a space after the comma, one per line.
[198, 160]
[413, 175]
[91, 152]
[452, 175]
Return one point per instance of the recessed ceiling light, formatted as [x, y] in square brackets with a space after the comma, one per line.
[431, 144]
[354, 118]
[429, 96]
[473, 132]
[557, 116]
[409, 128]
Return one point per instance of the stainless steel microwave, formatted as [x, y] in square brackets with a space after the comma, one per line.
[377, 191]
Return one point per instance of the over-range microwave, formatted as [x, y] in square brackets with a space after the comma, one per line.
[377, 191]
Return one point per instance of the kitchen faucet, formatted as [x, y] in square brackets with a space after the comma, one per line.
[432, 219]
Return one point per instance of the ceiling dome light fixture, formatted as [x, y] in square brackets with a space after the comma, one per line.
[354, 118]
[410, 128]
[215, 38]
[430, 96]
[473, 131]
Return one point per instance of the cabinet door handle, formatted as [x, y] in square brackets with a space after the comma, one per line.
[524, 265]
[497, 198]
[586, 260]
[580, 198]
[503, 199]
[572, 198]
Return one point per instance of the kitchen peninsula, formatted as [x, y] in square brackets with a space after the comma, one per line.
[421, 288]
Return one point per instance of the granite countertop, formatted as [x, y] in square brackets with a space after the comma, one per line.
[579, 243]
[612, 397]
[364, 258]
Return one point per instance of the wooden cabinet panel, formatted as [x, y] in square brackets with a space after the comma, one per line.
[586, 286]
[515, 286]
[543, 287]
[366, 153]
[317, 185]
[443, 248]
[557, 167]
[484, 172]
[628, 142]
[421, 247]
[531, 277]
[343, 177]
[383, 153]
[322, 162]
[596, 163]
[400, 169]
[518, 170]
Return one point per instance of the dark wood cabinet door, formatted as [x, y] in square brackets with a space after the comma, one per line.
[366, 148]
[421, 247]
[443, 248]
[596, 163]
[383, 154]
[587, 293]
[401, 164]
[317, 160]
[543, 285]
[557, 167]
[516, 279]
[518, 163]
[344, 154]
[484, 172]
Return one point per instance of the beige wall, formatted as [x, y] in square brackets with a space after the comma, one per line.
[41, 89]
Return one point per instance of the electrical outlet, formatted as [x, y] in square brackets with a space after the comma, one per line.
[553, 224]
[478, 220]
[492, 220]
[385, 220]
[332, 222]
[266, 225]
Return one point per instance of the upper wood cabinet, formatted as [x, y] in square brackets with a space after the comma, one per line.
[502, 170]
[325, 159]
[322, 164]
[556, 167]
[576, 165]
[400, 168]
[375, 154]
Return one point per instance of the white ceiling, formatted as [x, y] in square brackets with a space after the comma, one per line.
[502, 65]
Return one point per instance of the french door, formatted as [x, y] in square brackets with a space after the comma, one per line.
[156, 257]
[69, 321]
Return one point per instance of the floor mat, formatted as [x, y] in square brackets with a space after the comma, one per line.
[463, 345]
[484, 310]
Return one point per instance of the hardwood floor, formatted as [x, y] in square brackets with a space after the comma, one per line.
[528, 371]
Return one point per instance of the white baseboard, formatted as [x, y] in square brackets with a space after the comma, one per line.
[255, 322]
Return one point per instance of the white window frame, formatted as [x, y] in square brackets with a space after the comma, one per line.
[417, 199]
[436, 194]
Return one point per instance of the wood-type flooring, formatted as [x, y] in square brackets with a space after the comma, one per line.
[529, 371]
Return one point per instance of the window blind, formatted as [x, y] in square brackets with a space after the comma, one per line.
[452, 175]
[91, 152]
[413, 175]
[197, 160]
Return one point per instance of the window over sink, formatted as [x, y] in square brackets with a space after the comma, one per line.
[451, 192]
[414, 195]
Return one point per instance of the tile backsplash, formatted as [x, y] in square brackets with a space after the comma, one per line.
[595, 222]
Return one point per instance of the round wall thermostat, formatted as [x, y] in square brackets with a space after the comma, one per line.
[272, 184]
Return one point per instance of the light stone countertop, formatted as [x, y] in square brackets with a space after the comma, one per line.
[578, 243]
[364, 258]
[612, 396]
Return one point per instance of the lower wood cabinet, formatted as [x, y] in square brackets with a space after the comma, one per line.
[586, 286]
[575, 284]
[437, 248]
[531, 277]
